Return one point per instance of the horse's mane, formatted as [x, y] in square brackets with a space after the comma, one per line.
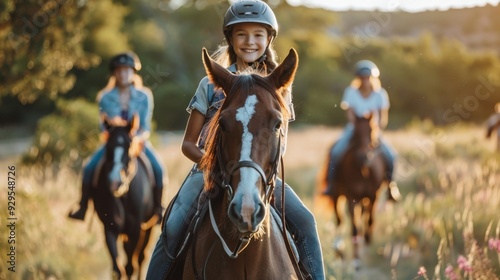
[374, 127]
[243, 84]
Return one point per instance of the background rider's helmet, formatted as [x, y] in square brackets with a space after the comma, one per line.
[129, 59]
[254, 11]
[364, 68]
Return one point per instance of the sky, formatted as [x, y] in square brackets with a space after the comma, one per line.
[392, 5]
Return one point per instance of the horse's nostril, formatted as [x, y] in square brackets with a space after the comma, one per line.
[260, 212]
[233, 213]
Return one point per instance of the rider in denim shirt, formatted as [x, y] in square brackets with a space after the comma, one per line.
[119, 101]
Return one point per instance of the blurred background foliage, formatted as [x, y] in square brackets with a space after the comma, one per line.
[65, 137]
[54, 54]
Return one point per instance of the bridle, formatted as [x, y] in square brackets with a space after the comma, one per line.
[269, 181]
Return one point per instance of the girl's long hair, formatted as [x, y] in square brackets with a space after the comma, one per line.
[136, 81]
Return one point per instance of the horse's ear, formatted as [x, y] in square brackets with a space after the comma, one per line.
[217, 74]
[284, 74]
[134, 124]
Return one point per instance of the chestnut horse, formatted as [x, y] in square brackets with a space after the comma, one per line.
[240, 237]
[123, 199]
[358, 176]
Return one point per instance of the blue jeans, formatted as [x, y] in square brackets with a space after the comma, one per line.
[155, 164]
[183, 209]
[300, 222]
[89, 168]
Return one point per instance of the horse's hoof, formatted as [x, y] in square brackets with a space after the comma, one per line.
[356, 263]
[339, 247]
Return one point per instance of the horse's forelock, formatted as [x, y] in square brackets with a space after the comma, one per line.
[278, 95]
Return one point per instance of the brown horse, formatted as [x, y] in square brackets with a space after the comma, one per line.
[493, 126]
[240, 237]
[358, 176]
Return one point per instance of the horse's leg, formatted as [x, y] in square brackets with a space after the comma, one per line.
[131, 250]
[370, 212]
[111, 242]
[145, 235]
[335, 201]
[338, 243]
[354, 229]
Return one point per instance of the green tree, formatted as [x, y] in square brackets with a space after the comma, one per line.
[40, 42]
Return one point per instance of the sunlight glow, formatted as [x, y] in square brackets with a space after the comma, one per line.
[392, 5]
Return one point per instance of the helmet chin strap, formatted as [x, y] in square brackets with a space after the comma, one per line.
[256, 63]
[261, 59]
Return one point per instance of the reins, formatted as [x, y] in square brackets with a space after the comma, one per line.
[270, 181]
[283, 221]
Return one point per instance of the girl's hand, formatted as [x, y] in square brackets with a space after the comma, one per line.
[117, 121]
[136, 146]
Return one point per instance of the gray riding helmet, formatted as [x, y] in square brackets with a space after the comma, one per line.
[364, 68]
[249, 11]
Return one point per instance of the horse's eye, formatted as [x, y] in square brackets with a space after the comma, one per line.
[278, 125]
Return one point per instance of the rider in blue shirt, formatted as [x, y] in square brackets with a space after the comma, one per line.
[365, 95]
[119, 101]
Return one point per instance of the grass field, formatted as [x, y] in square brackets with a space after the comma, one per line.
[446, 226]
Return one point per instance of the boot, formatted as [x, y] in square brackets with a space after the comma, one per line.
[157, 197]
[80, 213]
[393, 193]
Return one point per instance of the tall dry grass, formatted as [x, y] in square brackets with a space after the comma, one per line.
[446, 225]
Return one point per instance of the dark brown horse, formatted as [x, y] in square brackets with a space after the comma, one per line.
[123, 200]
[357, 176]
[493, 126]
[240, 236]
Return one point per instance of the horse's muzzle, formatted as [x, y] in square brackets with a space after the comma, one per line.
[247, 214]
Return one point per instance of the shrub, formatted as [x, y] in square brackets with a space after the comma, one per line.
[65, 137]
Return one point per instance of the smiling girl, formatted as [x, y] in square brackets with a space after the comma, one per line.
[249, 28]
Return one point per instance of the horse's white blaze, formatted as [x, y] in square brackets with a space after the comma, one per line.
[248, 175]
[114, 175]
[244, 114]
